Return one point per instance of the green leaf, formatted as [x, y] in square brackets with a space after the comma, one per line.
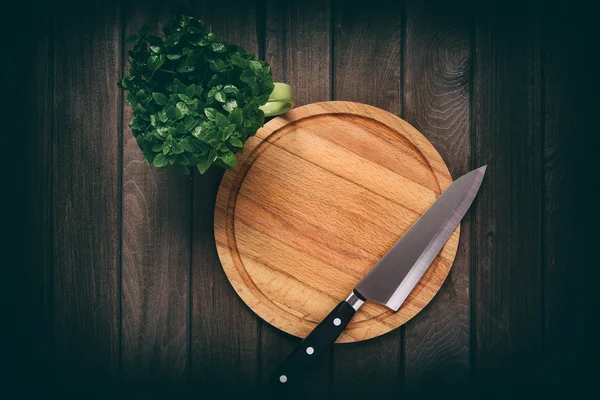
[140, 96]
[176, 149]
[184, 68]
[172, 41]
[135, 123]
[210, 113]
[207, 132]
[230, 89]
[162, 116]
[236, 142]
[183, 97]
[181, 109]
[254, 89]
[131, 101]
[262, 99]
[201, 42]
[189, 121]
[160, 161]
[217, 65]
[157, 147]
[230, 105]
[236, 116]
[126, 83]
[256, 66]
[178, 86]
[162, 130]
[218, 47]
[238, 61]
[213, 91]
[229, 159]
[194, 106]
[260, 118]
[190, 90]
[193, 57]
[183, 159]
[220, 97]
[215, 80]
[171, 113]
[196, 26]
[173, 57]
[155, 61]
[188, 144]
[180, 128]
[221, 120]
[230, 130]
[174, 113]
[248, 76]
[155, 40]
[203, 165]
[160, 98]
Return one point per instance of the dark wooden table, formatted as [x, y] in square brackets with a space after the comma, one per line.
[120, 288]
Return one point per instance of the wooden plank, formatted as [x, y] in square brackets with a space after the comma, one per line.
[437, 102]
[156, 245]
[87, 196]
[298, 50]
[563, 105]
[506, 229]
[224, 331]
[367, 68]
[28, 251]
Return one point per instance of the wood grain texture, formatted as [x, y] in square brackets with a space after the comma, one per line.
[225, 351]
[367, 60]
[437, 103]
[563, 283]
[298, 48]
[156, 253]
[367, 67]
[87, 196]
[288, 240]
[507, 223]
[298, 35]
[27, 289]
[63, 113]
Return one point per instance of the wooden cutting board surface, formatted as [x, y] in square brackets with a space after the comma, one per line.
[318, 197]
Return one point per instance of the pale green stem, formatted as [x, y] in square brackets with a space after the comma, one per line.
[280, 101]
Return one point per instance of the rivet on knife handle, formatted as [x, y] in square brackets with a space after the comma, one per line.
[317, 342]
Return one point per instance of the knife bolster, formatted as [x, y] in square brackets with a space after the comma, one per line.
[355, 301]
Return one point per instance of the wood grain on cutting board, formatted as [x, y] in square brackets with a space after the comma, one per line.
[318, 198]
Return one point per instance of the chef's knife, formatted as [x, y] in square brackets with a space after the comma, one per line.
[392, 279]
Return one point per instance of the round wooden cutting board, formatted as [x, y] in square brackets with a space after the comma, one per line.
[318, 197]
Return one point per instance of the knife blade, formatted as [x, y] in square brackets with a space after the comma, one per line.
[392, 279]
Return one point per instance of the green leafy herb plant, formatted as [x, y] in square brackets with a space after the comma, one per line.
[195, 99]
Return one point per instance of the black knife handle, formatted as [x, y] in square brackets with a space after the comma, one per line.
[316, 343]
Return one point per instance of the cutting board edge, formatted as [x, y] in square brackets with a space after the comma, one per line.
[293, 324]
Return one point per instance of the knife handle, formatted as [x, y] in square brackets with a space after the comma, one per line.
[317, 342]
